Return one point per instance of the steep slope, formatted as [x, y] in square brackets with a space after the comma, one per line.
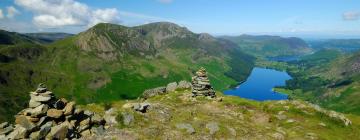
[110, 62]
[270, 46]
[18, 60]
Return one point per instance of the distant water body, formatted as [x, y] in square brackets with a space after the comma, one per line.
[259, 85]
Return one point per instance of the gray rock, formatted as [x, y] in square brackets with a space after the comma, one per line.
[154, 92]
[184, 85]
[141, 107]
[171, 87]
[110, 117]
[4, 124]
[98, 130]
[127, 118]
[69, 108]
[18, 133]
[54, 113]
[6, 130]
[88, 113]
[33, 104]
[84, 124]
[24, 122]
[42, 121]
[58, 132]
[97, 119]
[35, 135]
[40, 110]
[213, 127]
[188, 127]
[39, 98]
[78, 111]
[44, 130]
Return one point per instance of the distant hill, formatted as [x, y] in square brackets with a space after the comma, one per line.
[345, 45]
[270, 46]
[109, 62]
[48, 37]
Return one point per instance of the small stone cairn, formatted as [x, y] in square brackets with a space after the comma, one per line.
[50, 118]
[201, 85]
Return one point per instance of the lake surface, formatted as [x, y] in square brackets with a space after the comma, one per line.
[259, 85]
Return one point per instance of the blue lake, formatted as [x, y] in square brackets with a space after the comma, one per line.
[259, 85]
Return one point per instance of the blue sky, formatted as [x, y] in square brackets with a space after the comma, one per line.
[303, 18]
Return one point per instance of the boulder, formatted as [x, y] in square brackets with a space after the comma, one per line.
[54, 113]
[110, 117]
[141, 107]
[35, 135]
[6, 130]
[84, 124]
[42, 121]
[24, 122]
[153, 92]
[171, 87]
[33, 104]
[18, 133]
[184, 85]
[98, 130]
[4, 124]
[213, 127]
[97, 119]
[40, 110]
[69, 108]
[58, 132]
[44, 130]
[188, 127]
[127, 118]
[39, 98]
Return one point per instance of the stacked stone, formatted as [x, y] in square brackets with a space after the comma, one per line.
[201, 84]
[51, 118]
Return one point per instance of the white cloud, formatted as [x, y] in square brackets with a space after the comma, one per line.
[12, 11]
[351, 15]
[165, 1]
[59, 13]
[104, 15]
[1, 14]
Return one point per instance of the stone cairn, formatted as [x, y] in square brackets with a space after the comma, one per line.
[201, 85]
[51, 118]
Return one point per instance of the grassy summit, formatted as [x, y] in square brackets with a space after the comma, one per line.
[177, 115]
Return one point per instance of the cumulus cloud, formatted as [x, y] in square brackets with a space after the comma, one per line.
[351, 15]
[165, 1]
[59, 13]
[12, 11]
[104, 15]
[1, 14]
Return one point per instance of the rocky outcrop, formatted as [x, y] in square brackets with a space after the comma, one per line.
[171, 87]
[201, 84]
[50, 118]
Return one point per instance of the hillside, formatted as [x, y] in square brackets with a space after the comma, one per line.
[48, 37]
[331, 82]
[270, 46]
[177, 115]
[110, 62]
[345, 45]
